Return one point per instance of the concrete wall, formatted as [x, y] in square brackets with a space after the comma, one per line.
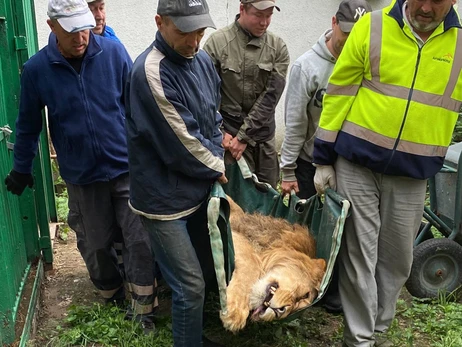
[300, 23]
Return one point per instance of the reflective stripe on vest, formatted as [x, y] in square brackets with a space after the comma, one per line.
[429, 99]
[389, 143]
[400, 92]
[375, 85]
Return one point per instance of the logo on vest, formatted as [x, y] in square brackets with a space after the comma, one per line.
[193, 3]
[447, 58]
[360, 11]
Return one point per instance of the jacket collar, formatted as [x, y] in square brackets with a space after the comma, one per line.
[244, 34]
[169, 52]
[451, 20]
[55, 55]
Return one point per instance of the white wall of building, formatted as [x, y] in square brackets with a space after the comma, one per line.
[300, 23]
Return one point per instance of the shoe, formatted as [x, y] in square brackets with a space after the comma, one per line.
[146, 321]
[148, 326]
[332, 304]
[209, 343]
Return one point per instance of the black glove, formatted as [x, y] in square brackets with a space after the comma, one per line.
[16, 182]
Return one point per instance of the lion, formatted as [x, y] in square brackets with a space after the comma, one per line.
[275, 271]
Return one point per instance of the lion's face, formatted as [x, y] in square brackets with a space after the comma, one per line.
[289, 285]
[275, 271]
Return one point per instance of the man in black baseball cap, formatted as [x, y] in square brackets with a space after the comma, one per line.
[349, 12]
[175, 156]
[176, 17]
[187, 15]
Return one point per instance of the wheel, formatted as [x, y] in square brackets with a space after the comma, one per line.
[437, 266]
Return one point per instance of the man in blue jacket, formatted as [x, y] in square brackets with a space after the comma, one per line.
[98, 8]
[175, 155]
[80, 77]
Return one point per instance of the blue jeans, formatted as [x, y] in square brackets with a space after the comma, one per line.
[182, 250]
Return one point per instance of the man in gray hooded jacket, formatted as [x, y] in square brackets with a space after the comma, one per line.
[306, 87]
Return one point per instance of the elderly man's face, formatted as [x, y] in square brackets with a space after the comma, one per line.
[426, 15]
[71, 45]
[186, 44]
[255, 21]
[98, 8]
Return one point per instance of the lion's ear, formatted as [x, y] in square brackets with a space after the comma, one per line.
[321, 263]
[318, 274]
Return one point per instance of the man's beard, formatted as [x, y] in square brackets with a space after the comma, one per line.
[423, 27]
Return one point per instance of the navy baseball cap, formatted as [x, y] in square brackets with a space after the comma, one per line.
[349, 12]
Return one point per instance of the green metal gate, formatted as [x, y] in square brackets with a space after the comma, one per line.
[24, 221]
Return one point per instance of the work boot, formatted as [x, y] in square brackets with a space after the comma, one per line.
[332, 303]
[146, 320]
[209, 343]
[147, 325]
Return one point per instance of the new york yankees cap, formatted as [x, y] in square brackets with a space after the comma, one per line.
[349, 12]
[187, 15]
[261, 4]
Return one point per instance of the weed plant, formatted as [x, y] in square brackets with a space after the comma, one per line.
[102, 325]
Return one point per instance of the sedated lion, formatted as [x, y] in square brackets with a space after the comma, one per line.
[275, 271]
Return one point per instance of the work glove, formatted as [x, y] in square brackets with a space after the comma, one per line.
[324, 177]
[16, 182]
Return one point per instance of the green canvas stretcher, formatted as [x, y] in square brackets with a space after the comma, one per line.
[325, 219]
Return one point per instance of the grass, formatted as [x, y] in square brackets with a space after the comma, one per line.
[457, 135]
[424, 322]
[418, 323]
[102, 325]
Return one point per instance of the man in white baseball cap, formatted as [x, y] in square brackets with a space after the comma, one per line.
[80, 78]
[72, 15]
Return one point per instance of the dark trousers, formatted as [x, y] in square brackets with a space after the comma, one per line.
[98, 212]
[305, 178]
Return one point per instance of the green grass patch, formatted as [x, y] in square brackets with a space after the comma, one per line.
[103, 325]
[418, 323]
[423, 322]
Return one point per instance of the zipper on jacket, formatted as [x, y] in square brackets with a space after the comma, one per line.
[410, 95]
[409, 99]
[91, 126]
[198, 83]
[90, 129]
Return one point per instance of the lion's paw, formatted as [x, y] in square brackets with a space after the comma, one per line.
[235, 319]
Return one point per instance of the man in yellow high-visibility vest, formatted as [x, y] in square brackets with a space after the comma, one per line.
[387, 120]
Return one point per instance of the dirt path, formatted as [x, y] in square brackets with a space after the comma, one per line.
[67, 284]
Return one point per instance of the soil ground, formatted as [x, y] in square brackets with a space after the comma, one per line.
[66, 284]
